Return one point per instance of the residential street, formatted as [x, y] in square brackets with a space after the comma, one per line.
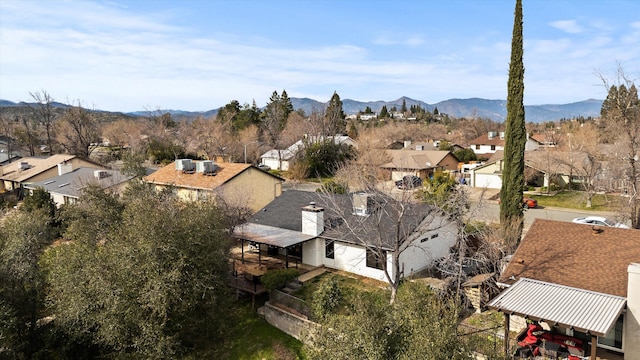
[489, 210]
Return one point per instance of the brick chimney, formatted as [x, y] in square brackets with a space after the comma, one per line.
[312, 220]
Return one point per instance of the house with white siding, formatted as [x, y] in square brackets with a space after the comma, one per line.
[350, 232]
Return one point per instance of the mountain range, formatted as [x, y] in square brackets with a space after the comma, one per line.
[471, 108]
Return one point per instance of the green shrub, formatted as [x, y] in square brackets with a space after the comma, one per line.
[326, 298]
[332, 187]
[275, 279]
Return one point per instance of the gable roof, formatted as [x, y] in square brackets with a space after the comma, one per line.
[285, 212]
[484, 140]
[72, 183]
[414, 159]
[574, 255]
[168, 175]
[37, 165]
[291, 151]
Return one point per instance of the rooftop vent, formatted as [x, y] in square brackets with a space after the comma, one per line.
[206, 167]
[361, 203]
[100, 174]
[24, 165]
[185, 165]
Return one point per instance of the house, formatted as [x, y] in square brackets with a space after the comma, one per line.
[546, 140]
[421, 163]
[420, 145]
[33, 169]
[340, 232]
[282, 159]
[487, 144]
[542, 168]
[66, 188]
[493, 141]
[241, 185]
[576, 280]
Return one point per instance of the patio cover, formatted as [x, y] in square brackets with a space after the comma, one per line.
[583, 310]
[270, 235]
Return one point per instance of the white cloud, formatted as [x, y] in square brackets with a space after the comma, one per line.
[569, 26]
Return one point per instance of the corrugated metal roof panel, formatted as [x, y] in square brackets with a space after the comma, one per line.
[584, 310]
[270, 235]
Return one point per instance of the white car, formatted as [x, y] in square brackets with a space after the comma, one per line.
[599, 220]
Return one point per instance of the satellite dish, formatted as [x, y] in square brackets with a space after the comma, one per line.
[428, 164]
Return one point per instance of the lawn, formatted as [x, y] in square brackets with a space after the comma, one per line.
[252, 338]
[577, 200]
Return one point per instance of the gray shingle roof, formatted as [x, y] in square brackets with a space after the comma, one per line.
[379, 228]
[72, 183]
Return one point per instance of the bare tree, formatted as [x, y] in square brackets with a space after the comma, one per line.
[28, 134]
[388, 225]
[621, 114]
[7, 130]
[44, 112]
[78, 130]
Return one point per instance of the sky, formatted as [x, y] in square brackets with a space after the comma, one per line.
[198, 55]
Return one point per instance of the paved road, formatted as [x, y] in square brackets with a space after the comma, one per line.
[489, 211]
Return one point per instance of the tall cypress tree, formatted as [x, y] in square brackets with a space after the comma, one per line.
[511, 216]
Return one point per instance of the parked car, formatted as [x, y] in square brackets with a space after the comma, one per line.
[409, 182]
[264, 167]
[527, 203]
[598, 220]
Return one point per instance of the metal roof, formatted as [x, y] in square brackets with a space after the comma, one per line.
[270, 235]
[583, 310]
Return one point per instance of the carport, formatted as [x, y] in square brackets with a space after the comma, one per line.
[581, 310]
[270, 236]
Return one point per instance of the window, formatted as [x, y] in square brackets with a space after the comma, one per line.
[374, 260]
[614, 336]
[493, 147]
[477, 147]
[328, 249]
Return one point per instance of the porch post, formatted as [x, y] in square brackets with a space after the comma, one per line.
[506, 334]
[594, 347]
[242, 249]
[259, 254]
[286, 258]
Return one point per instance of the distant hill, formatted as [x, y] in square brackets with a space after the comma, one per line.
[473, 107]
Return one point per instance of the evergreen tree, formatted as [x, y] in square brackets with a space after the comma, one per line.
[511, 216]
[334, 116]
[287, 106]
[403, 109]
[384, 113]
[275, 116]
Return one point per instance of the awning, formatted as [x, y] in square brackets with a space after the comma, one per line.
[270, 235]
[579, 309]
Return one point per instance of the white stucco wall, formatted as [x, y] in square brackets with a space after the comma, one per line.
[421, 254]
[313, 252]
[352, 258]
[632, 317]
